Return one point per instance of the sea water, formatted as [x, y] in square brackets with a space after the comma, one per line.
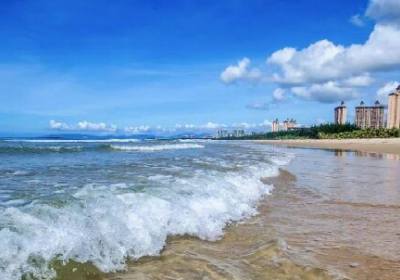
[106, 201]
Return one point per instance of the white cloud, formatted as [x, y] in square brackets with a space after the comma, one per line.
[185, 126]
[205, 126]
[357, 20]
[358, 81]
[326, 93]
[324, 61]
[259, 106]
[240, 72]
[137, 129]
[386, 89]
[329, 72]
[58, 125]
[89, 126]
[212, 125]
[386, 11]
[83, 126]
[278, 94]
[266, 123]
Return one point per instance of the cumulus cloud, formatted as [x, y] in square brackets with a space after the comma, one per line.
[386, 89]
[329, 72]
[137, 129]
[278, 94]
[58, 125]
[324, 61]
[83, 126]
[385, 11]
[90, 126]
[240, 72]
[357, 20]
[358, 81]
[328, 92]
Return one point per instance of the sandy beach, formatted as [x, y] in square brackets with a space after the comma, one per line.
[387, 145]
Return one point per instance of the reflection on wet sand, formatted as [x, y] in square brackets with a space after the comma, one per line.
[341, 153]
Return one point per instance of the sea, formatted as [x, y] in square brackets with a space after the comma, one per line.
[106, 202]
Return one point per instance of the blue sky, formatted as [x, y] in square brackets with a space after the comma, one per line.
[139, 66]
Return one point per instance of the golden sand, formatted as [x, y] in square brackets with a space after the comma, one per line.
[375, 145]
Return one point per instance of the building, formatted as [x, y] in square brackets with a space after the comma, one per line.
[275, 125]
[370, 116]
[289, 124]
[222, 133]
[238, 133]
[393, 119]
[341, 114]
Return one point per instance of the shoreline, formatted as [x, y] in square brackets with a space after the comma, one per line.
[299, 231]
[372, 145]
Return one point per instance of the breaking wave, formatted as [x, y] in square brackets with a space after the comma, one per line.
[39, 149]
[106, 223]
[73, 140]
[153, 148]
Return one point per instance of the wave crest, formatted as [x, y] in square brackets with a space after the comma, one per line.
[154, 148]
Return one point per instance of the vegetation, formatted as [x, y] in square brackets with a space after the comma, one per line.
[325, 131]
[363, 133]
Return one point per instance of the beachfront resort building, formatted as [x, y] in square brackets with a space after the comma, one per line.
[288, 124]
[393, 118]
[341, 114]
[370, 116]
[238, 133]
[275, 125]
[223, 133]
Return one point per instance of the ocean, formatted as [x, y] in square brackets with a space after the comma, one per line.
[106, 202]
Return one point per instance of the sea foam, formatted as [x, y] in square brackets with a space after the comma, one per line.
[153, 148]
[106, 224]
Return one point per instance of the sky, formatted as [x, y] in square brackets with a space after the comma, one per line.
[131, 67]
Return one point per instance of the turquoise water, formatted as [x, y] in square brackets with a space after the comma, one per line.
[105, 201]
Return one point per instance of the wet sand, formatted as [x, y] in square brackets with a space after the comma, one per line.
[332, 215]
[375, 145]
[252, 249]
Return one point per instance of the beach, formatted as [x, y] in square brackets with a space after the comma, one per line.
[197, 209]
[331, 215]
[386, 145]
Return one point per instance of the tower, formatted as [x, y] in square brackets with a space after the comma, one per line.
[341, 114]
[393, 119]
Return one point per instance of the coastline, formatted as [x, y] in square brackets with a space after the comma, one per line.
[373, 145]
[311, 227]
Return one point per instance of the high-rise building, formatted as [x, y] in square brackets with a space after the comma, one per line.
[238, 133]
[289, 124]
[393, 119]
[341, 114]
[222, 133]
[275, 125]
[370, 116]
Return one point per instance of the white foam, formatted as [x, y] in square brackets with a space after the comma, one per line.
[153, 148]
[107, 225]
[116, 140]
